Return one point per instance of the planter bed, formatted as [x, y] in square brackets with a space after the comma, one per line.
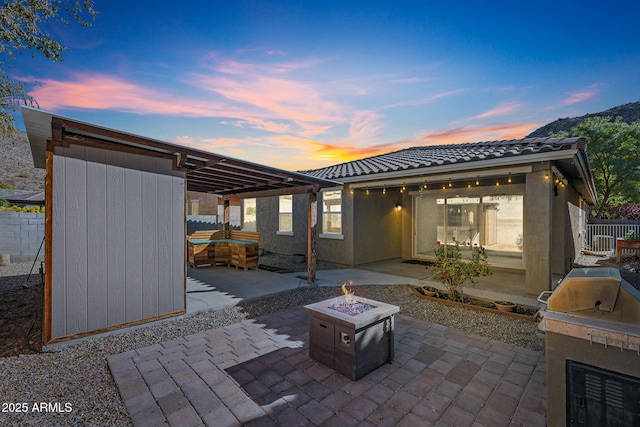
[519, 312]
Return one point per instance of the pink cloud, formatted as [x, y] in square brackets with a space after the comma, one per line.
[581, 96]
[259, 102]
[489, 132]
[577, 97]
[501, 110]
[274, 97]
[424, 101]
[103, 92]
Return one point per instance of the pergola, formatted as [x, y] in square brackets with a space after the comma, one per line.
[205, 172]
[115, 220]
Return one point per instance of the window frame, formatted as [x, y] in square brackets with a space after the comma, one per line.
[255, 206]
[324, 213]
[281, 213]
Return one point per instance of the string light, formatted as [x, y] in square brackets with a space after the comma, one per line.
[450, 184]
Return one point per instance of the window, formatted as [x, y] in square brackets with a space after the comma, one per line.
[194, 207]
[286, 214]
[249, 214]
[332, 212]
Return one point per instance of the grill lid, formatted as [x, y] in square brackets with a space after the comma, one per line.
[597, 292]
[586, 288]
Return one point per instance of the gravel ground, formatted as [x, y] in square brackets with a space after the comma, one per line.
[78, 374]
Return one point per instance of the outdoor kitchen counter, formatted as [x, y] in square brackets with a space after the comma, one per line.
[596, 331]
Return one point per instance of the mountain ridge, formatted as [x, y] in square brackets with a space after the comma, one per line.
[627, 112]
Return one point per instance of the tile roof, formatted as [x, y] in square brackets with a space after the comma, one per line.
[438, 155]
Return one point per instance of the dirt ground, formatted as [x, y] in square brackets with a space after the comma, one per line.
[21, 302]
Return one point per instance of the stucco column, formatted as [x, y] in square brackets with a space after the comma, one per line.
[537, 230]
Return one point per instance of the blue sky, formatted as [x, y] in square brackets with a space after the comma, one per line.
[303, 85]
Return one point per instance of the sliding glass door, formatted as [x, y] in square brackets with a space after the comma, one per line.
[492, 221]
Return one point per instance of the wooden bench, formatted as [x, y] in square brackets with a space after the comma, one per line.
[622, 244]
[230, 247]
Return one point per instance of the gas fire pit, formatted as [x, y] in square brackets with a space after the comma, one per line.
[352, 335]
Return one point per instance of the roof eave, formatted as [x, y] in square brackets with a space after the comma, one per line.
[462, 166]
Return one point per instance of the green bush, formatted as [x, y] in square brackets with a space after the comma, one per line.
[454, 272]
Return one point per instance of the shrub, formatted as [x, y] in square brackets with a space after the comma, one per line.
[454, 272]
[36, 209]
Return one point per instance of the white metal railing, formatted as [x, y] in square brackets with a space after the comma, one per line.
[602, 237]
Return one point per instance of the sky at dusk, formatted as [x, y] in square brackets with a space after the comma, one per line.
[303, 85]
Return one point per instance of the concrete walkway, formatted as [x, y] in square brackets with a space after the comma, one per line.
[213, 288]
[259, 373]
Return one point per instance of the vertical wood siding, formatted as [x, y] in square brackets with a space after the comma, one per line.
[118, 240]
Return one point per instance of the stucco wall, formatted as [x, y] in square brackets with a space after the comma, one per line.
[576, 227]
[537, 230]
[560, 256]
[377, 226]
[267, 217]
[371, 220]
[340, 249]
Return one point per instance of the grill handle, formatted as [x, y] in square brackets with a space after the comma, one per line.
[544, 296]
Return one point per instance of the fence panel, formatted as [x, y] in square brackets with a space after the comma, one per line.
[602, 236]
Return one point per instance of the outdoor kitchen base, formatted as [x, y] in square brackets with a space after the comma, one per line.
[592, 348]
[351, 335]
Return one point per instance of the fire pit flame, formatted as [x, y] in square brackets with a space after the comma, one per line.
[348, 293]
[350, 305]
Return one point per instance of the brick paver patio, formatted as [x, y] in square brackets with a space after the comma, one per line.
[258, 373]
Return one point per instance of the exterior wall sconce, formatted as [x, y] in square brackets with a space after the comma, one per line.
[478, 180]
[398, 207]
[384, 190]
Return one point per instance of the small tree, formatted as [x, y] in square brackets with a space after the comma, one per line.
[22, 28]
[614, 155]
[454, 272]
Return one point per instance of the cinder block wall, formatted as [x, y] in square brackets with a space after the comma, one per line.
[21, 234]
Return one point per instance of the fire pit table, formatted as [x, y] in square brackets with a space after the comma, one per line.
[352, 335]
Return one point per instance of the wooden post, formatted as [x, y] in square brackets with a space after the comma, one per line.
[312, 238]
[227, 215]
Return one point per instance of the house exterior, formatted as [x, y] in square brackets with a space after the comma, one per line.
[526, 201]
